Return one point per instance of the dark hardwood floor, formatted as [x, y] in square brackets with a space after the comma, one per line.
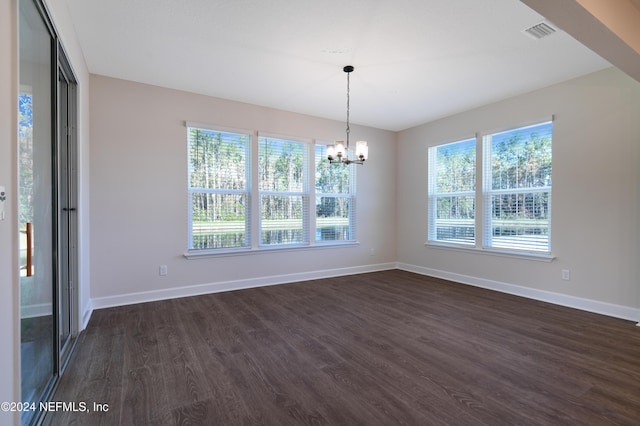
[385, 348]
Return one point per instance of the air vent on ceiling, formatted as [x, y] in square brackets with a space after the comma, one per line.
[541, 30]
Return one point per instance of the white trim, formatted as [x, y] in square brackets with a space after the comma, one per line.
[435, 144]
[86, 316]
[518, 190]
[38, 310]
[216, 128]
[540, 257]
[523, 125]
[617, 311]
[284, 137]
[242, 251]
[195, 290]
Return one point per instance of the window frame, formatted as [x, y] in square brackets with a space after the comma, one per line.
[488, 191]
[304, 193]
[483, 199]
[350, 196]
[254, 217]
[434, 195]
[247, 191]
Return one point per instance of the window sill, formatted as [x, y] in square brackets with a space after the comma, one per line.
[202, 254]
[539, 257]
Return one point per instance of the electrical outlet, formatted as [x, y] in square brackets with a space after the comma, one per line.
[163, 270]
[372, 252]
[566, 275]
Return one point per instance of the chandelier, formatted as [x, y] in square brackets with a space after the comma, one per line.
[339, 153]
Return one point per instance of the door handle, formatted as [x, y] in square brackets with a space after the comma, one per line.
[29, 233]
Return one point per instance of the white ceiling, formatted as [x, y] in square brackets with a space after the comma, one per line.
[415, 60]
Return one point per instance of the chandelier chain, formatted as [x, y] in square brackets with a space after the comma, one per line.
[348, 130]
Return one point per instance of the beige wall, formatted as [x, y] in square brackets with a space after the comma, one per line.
[596, 195]
[138, 169]
[139, 193]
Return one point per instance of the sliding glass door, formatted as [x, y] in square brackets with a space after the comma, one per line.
[67, 212]
[37, 207]
[47, 208]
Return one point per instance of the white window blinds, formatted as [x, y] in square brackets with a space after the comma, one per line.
[452, 181]
[517, 189]
[219, 197]
[335, 199]
[283, 167]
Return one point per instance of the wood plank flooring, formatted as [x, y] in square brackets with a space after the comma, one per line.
[385, 348]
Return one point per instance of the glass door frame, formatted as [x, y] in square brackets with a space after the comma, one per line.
[62, 346]
[46, 384]
[67, 198]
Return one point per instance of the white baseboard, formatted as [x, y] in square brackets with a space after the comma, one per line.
[33, 311]
[86, 316]
[195, 290]
[617, 311]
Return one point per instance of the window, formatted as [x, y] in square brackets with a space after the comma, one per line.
[452, 192]
[335, 199]
[250, 192]
[517, 189]
[219, 197]
[515, 193]
[284, 191]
